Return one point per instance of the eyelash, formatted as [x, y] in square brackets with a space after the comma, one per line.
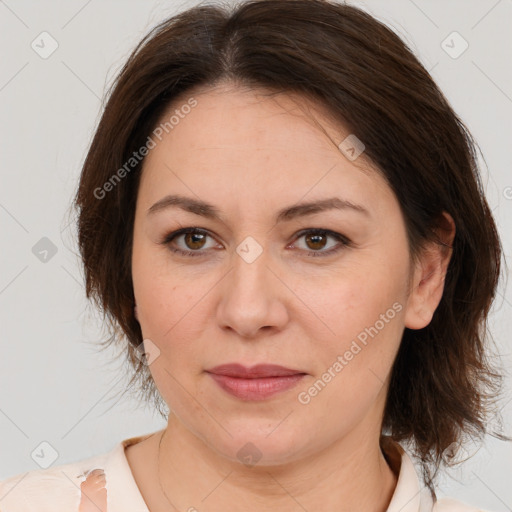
[345, 242]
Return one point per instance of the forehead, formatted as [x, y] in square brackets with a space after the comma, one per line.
[241, 142]
[240, 117]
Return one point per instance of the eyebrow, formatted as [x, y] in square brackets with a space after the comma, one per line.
[288, 213]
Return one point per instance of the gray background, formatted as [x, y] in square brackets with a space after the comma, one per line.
[56, 386]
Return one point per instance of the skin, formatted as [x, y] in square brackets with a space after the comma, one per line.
[250, 155]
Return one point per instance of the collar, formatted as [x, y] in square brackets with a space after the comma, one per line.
[123, 494]
[410, 494]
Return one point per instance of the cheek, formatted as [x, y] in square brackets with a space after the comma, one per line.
[170, 311]
[364, 313]
[163, 293]
[360, 316]
[345, 305]
[174, 310]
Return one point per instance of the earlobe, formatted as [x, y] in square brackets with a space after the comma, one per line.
[427, 284]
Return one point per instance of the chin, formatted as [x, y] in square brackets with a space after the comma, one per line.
[254, 443]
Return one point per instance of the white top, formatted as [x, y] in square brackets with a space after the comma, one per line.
[71, 487]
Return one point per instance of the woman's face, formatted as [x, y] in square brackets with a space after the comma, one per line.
[258, 287]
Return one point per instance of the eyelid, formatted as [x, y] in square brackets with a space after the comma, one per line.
[184, 231]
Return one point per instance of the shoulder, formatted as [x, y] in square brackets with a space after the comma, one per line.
[43, 490]
[450, 505]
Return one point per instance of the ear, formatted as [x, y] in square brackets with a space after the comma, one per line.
[427, 282]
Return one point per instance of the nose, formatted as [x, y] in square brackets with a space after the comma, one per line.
[253, 298]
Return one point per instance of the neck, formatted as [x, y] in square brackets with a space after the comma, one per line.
[350, 475]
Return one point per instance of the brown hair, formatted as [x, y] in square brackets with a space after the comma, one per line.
[442, 383]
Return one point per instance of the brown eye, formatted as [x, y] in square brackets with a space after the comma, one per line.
[316, 242]
[194, 240]
[187, 241]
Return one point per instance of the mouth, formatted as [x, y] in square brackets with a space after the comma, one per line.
[257, 382]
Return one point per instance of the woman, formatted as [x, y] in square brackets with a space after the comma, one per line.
[283, 217]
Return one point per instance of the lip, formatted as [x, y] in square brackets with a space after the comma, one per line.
[254, 372]
[257, 382]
